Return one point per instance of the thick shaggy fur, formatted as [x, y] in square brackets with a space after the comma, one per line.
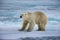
[33, 18]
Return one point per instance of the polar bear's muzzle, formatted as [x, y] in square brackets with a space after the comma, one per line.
[20, 16]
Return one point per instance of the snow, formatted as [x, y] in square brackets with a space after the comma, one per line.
[29, 34]
[24, 34]
[10, 31]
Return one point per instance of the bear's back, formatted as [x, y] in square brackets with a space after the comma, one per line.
[40, 16]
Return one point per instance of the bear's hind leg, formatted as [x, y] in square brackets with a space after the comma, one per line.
[24, 25]
[41, 27]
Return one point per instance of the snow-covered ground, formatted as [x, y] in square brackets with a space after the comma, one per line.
[10, 31]
[35, 34]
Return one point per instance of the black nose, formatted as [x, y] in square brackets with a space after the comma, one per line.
[20, 16]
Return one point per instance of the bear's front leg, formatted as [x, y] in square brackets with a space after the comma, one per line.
[31, 25]
[24, 25]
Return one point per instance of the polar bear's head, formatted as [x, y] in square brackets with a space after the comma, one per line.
[25, 15]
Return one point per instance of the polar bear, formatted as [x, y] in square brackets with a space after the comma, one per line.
[33, 18]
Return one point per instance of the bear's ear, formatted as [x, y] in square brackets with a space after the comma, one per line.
[29, 13]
